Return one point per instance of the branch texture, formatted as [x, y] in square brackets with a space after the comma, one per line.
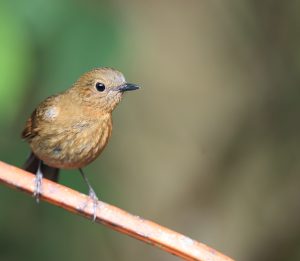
[110, 216]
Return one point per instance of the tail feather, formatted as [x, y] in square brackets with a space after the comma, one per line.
[32, 165]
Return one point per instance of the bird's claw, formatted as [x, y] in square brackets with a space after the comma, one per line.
[94, 197]
[38, 185]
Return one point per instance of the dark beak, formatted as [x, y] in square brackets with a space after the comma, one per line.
[128, 87]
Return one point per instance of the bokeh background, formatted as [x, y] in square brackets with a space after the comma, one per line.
[209, 147]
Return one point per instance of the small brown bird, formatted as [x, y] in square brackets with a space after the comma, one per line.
[69, 130]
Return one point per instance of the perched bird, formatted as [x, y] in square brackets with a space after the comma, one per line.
[70, 129]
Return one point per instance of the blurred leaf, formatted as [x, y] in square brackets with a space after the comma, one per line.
[15, 62]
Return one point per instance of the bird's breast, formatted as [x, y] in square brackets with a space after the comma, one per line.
[74, 146]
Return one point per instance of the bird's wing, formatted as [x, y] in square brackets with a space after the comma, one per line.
[44, 112]
[28, 131]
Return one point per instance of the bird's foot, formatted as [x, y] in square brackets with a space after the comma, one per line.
[92, 194]
[94, 197]
[38, 185]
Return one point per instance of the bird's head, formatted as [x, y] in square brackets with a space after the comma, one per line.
[102, 88]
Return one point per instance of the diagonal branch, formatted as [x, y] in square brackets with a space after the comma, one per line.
[111, 216]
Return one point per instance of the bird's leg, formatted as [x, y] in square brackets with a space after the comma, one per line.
[38, 182]
[92, 194]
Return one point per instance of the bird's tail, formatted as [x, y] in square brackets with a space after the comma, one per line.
[32, 165]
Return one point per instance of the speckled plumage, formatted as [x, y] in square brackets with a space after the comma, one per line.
[70, 129]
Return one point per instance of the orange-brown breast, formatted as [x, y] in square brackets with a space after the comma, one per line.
[70, 129]
[73, 147]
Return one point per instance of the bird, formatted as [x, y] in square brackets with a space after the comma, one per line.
[70, 129]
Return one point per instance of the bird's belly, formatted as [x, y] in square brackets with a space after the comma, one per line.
[69, 149]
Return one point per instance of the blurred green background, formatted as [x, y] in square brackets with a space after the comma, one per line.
[209, 147]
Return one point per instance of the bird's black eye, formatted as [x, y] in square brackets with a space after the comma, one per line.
[100, 87]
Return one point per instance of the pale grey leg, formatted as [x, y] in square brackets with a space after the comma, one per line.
[92, 194]
[38, 183]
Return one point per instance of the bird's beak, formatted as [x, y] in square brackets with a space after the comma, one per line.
[128, 87]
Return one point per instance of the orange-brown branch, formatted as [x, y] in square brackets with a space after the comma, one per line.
[111, 216]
